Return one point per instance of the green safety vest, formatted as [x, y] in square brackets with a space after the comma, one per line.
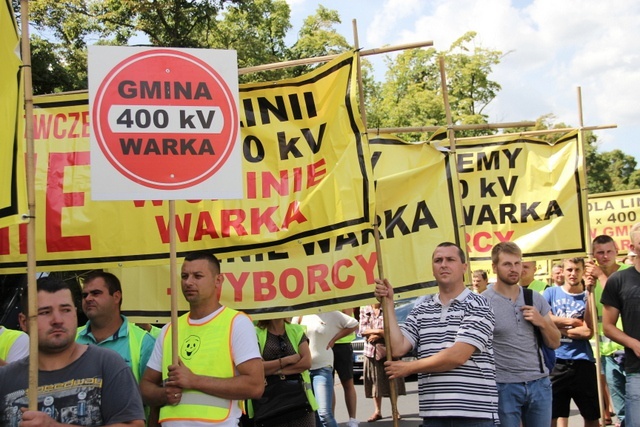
[294, 333]
[135, 335]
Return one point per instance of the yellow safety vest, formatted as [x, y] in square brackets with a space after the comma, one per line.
[206, 350]
[7, 338]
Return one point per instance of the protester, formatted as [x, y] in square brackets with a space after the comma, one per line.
[376, 383]
[343, 365]
[524, 388]
[452, 332]
[620, 299]
[527, 277]
[108, 327]
[324, 330]
[574, 376]
[14, 345]
[78, 384]
[286, 356]
[605, 252]
[479, 281]
[219, 362]
[557, 275]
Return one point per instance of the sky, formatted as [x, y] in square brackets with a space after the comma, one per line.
[551, 48]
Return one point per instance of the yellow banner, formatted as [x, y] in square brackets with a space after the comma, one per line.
[614, 214]
[526, 191]
[306, 172]
[336, 272]
[13, 199]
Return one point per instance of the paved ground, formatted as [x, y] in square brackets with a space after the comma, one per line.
[407, 406]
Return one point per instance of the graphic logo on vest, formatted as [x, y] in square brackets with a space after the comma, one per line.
[190, 346]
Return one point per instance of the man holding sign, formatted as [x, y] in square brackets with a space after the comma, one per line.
[453, 333]
[219, 361]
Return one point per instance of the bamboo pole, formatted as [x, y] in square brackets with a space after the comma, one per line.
[31, 200]
[544, 132]
[452, 140]
[326, 58]
[173, 272]
[591, 295]
[478, 126]
[393, 392]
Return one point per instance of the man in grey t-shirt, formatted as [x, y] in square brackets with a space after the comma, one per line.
[524, 389]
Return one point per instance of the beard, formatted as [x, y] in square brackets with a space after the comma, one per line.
[509, 280]
[55, 344]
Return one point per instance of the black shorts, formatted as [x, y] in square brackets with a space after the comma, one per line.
[343, 361]
[575, 379]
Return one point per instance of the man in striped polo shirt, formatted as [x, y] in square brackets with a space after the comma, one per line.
[453, 334]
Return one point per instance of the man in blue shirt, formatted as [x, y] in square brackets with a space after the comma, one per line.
[574, 375]
[107, 327]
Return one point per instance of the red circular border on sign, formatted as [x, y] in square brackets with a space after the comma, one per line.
[165, 171]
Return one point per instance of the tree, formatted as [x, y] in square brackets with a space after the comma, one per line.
[411, 95]
[317, 37]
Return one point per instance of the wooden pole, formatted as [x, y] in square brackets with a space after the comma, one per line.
[326, 58]
[393, 392]
[478, 126]
[452, 138]
[32, 296]
[173, 272]
[592, 296]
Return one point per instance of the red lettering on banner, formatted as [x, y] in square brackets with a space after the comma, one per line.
[57, 200]
[290, 284]
[335, 274]
[298, 278]
[263, 287]
[483, 241]
[237, 284]
[231, 220]
[61, 125]
[5, 240]
[289, 182]
[182, 228]
[205, 227]
[368, 266]
[317, 275]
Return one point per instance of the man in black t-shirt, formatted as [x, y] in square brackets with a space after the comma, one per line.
[621, 298]
[77, 384]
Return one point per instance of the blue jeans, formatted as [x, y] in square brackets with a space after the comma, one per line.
[616, 381]
[632, 401]
[322, 382]
[456, 422]
[528, 402]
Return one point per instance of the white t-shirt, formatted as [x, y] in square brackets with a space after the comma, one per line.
[19, 349]
[320, 329]
[244, 346]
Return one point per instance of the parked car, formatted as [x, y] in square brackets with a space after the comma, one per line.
[403, 308]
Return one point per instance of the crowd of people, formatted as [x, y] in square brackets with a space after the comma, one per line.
[514, 352]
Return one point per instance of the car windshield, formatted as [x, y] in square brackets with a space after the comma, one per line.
[403, 308]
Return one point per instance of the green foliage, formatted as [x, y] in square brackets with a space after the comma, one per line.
[317, 37]
[411, 95]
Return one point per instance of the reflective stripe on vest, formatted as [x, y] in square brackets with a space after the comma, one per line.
[206, 350]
